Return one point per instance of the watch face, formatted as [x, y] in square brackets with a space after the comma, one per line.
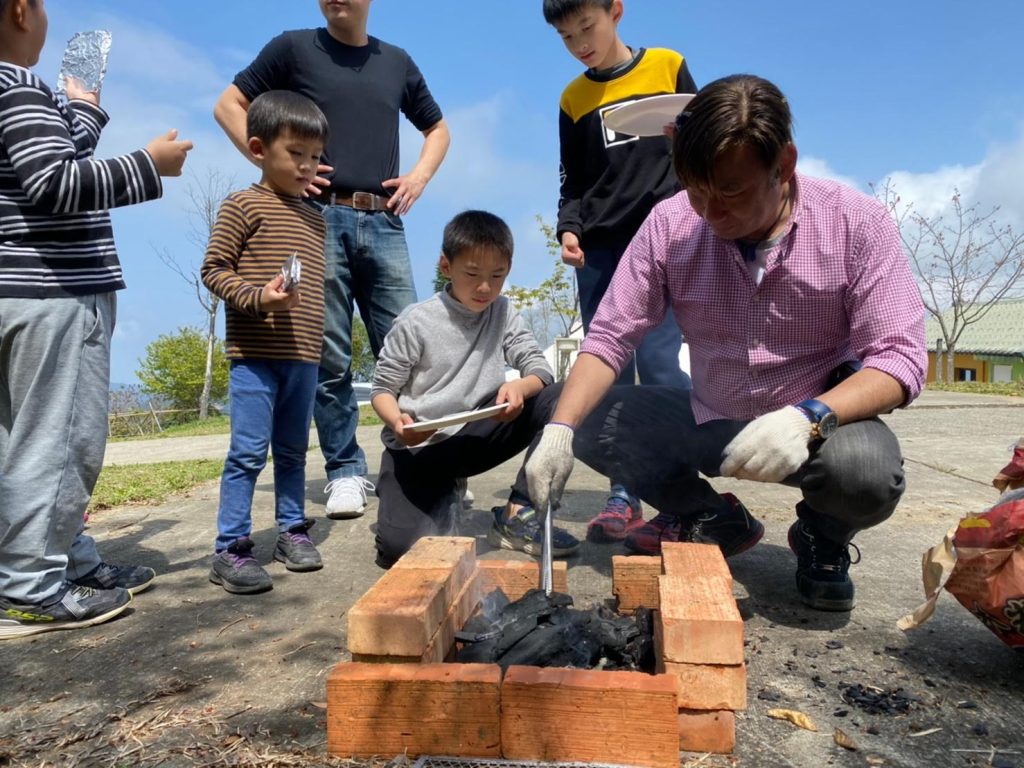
[828, 425]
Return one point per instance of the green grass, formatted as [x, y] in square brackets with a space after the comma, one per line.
[150, 483]
[1011, 388]
[221, 425]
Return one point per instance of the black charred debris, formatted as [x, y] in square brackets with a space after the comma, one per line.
[545, 631]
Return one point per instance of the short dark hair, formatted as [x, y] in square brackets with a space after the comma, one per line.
[558, 10]
[734, 111]
[470, 230]
[273, 112]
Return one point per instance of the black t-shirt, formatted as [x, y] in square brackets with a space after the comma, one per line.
[360, 89]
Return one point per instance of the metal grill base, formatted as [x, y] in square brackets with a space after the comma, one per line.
[429, 761]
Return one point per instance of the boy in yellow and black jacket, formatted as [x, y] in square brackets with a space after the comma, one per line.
[609, 183]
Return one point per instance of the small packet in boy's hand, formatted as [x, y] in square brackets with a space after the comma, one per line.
[85, 60]
[291, 271]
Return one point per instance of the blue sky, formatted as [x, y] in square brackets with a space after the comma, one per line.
[928, 93]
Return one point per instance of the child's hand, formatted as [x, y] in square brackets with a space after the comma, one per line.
[512, 394]
[409, 438]
[168, 153]
[275, 298]
[75, 90]
[572, 254]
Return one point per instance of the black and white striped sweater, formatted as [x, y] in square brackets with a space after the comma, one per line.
[55, 233]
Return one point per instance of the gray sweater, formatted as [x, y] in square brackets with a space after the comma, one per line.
[440, 358]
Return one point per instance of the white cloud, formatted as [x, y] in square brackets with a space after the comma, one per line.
[815, 166]
[992, 182]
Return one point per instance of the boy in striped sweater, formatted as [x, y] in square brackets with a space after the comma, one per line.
[58, 274]
[274, 335]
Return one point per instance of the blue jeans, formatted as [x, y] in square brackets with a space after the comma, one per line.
[271, 405]
[367, 266]
[657, 357]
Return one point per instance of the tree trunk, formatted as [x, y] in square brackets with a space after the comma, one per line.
[211, 338]
[950, 354]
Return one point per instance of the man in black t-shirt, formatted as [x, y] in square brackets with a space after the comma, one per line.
[361, 83]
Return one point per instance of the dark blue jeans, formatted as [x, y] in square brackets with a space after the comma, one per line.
[271, 405]
[657, 357]
[367, 266]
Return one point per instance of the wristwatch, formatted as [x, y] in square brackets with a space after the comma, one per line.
[824, 421]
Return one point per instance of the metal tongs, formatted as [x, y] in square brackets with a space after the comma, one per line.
[546, 567]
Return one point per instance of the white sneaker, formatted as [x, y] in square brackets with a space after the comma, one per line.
[347, 497]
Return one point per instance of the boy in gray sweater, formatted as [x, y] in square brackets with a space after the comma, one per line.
[448, 354]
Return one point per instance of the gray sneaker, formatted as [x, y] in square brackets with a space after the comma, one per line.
[296, 550]
[73, 607]
[134, 578]
[237, 571]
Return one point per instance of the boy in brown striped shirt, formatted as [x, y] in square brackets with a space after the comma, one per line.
[274, 335]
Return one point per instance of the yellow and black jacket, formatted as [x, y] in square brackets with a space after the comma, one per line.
[610, 181]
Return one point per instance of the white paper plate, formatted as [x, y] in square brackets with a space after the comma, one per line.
[647, 117]
[463, 417]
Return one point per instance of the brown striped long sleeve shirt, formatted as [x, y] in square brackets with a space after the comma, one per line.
[256, 230]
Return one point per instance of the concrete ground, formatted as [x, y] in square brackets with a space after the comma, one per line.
[195, 676]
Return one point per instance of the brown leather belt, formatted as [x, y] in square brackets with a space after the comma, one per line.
[361, 201]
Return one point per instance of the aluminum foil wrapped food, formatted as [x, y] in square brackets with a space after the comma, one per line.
[85, 60]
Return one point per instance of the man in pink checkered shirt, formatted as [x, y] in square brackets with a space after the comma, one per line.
[804, 324]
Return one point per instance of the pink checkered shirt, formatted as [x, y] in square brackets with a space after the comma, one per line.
[837, 287]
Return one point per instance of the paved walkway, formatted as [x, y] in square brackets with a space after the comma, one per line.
[255, 666]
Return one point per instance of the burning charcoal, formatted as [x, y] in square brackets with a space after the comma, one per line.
[537, 648]
[484, 652]
[514, 632]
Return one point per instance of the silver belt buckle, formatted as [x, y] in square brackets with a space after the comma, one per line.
[363, 201]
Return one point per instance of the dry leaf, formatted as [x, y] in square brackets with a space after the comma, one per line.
[841, 738]
[796, 718]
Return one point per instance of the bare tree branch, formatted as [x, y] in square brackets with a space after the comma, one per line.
[965, 263]
[205, 195]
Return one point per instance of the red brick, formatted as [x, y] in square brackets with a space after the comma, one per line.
[400, 613]
[454, 553]
[413, 709]
[690, 560]
[517, 577]
[635, 581]
[707, 731]
[556, 714]
[465, 604]
[710, 686]
[700, 622]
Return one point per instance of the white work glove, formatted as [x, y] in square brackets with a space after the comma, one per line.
[549, 466]
[770, 448]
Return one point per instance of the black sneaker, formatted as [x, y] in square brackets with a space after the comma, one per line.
[523, 532]
[822, 569]
[732, 527]
[237, 571]
[296, 550]
[73, 607]
[134, 578]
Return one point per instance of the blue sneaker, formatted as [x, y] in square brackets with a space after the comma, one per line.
[522, 532]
